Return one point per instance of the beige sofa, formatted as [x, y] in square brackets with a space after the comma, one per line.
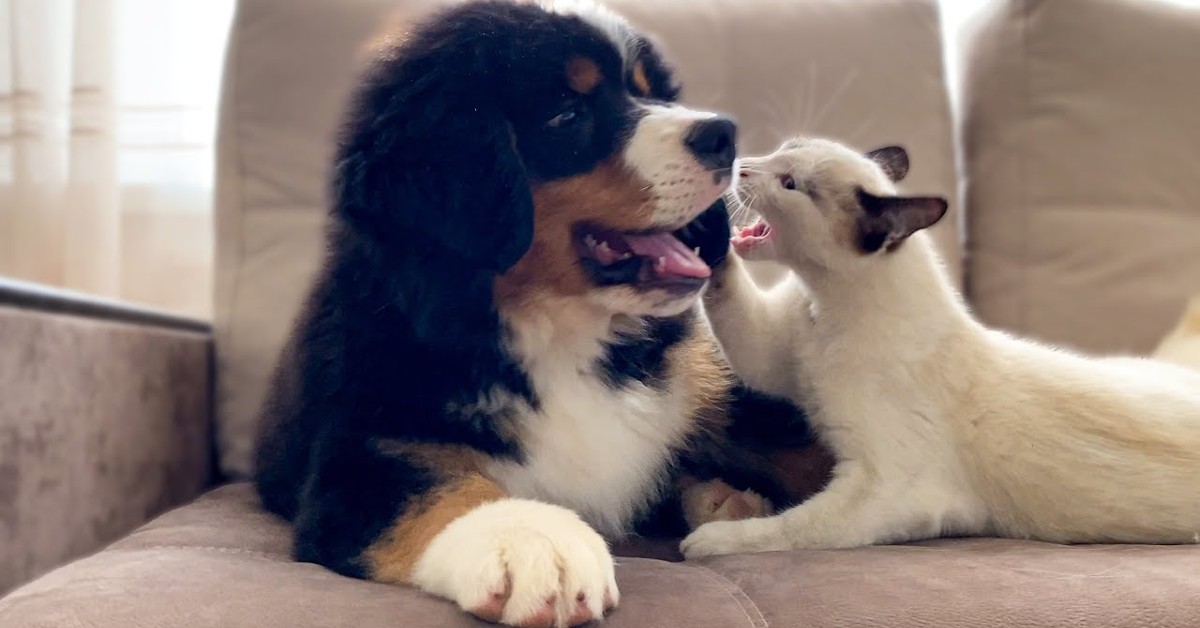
[1080, 225]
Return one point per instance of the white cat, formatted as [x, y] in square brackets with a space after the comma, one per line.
[940, 426]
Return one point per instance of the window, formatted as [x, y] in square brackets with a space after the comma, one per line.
[107, 116]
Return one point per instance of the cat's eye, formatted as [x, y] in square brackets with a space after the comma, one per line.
[787, 181]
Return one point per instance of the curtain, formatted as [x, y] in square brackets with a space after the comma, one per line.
[107, 111]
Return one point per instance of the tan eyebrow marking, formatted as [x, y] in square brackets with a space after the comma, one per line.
[583, 75]
[640, 80]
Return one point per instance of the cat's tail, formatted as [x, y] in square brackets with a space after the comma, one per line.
[1182, 345]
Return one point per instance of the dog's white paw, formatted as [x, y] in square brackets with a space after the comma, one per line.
[734, 537]
[521, 563]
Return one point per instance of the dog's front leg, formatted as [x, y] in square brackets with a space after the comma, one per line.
[401, 515]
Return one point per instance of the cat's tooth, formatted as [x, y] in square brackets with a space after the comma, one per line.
[625, 256]
[660, 263]
[696, 251]
[590, 241]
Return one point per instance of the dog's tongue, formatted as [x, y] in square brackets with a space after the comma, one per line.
[671, 256]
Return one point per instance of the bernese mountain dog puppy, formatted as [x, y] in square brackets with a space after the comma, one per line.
[502, 361]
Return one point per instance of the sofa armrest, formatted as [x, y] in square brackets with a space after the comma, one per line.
[105, 420]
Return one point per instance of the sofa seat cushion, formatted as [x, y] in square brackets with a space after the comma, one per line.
[223, 562]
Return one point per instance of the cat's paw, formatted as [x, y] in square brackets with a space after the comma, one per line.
[710, 233]
[734, 537]
[521, 563]
[715, 500]
[755, 243]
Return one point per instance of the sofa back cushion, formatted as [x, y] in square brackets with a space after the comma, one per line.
[868, 72]
[1083, 153]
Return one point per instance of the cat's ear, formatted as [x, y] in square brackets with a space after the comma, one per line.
[893, 160]
[887, 221]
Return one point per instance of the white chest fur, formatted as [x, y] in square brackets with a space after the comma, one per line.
[599, 451]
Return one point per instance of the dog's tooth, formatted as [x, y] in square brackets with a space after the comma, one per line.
[660, 263]
[590, 241]
[696, 250]
[625, 256]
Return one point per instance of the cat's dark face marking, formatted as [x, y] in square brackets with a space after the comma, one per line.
[886, 222]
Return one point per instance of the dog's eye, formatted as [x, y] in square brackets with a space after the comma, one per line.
[787, 181]
[566, 117]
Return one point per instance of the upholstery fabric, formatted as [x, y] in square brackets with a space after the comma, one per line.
[781, 67]
[1081, 156]
[222, 562]
[102, 425]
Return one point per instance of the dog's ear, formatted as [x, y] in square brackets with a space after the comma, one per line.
[893, 160]
[887, 221]
[429, 162]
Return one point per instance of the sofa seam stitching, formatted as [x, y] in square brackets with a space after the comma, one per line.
[737, 593]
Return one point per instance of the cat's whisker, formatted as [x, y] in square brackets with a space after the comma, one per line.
[834, 98]
[857, 134]
[778, 106]
[743, 212]
[751, 204]
[810, 90]
[774, 103]
[738, 205]
[740, 214]
[742, 165]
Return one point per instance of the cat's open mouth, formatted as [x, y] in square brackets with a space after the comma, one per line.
[750, 237]
[644, 259]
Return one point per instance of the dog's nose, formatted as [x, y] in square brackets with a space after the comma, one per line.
[713, 142]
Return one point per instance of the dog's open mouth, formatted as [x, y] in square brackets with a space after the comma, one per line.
[647, 259]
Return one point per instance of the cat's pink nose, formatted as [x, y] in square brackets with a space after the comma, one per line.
[743, 173]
